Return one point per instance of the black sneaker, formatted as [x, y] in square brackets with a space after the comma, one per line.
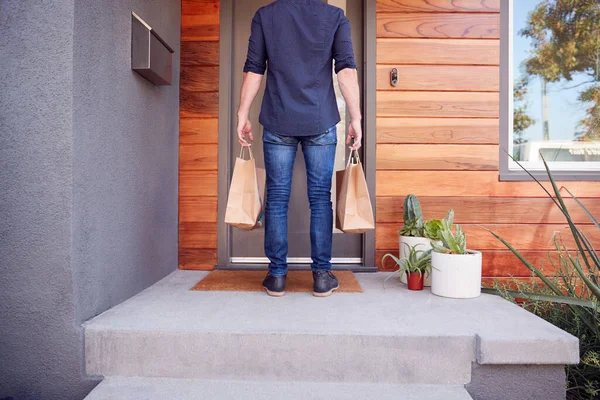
[325, 283]
[274, 285]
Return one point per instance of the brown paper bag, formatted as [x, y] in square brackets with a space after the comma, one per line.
[261, 176]
[245, 202]
[354, 213]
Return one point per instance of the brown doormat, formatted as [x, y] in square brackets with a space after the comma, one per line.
[251, 281]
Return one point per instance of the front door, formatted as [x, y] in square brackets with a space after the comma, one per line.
[247, 248]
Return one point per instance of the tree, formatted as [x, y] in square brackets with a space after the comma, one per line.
[566, 42]
[521, 121]
[591, 123]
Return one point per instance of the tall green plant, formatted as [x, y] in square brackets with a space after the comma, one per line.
[574, 291]
[413, 217]
[585, 262]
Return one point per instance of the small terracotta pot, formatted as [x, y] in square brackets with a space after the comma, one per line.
[415, 281]
[424, 244]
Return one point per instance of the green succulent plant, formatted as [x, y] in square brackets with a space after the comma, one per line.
[413, 217]
[432, 228]
[418, 261]
[412, 228]
[449, 242]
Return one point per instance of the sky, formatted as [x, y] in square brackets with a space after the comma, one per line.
[564, 110]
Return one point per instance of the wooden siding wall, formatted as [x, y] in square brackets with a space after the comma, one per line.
[199, 131]
[438, 133]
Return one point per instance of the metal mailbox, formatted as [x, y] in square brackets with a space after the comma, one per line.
[151, 56]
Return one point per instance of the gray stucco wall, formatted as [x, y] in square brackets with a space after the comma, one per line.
[125, 156]
[39, 340]
[88, 181]
[517, 382]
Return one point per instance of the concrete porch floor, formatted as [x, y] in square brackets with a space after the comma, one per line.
[390, 335]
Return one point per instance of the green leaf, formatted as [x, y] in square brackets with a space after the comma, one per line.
[593, 288]
[393, 257]
[450, 218]
[525, 262]
[577, 236]
[592, 253]
[535, 179]
[589, 214]
[439, 248]
[461, 240]
[572, 227]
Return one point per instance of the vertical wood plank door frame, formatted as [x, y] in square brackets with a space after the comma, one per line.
[369, 71]
[225, 136]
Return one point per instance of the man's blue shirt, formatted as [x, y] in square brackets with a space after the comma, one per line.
[299, 40]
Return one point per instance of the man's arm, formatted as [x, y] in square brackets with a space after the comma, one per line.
[345, 67]
[348, 81]
[250, 87]
[254, 69]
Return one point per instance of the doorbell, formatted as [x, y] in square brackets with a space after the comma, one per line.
[394, 77]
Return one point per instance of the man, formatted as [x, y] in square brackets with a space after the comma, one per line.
[299, 40]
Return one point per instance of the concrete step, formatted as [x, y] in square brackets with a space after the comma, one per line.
[122, 388]
[386, 335]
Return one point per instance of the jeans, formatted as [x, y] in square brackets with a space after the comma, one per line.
[319, 156]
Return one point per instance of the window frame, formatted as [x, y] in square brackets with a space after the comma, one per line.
[508, 172]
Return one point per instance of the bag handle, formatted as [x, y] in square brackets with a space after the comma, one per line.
[353, 155]
[249, 147]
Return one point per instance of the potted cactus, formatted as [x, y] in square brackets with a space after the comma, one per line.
[416, 267]
[456, 271]
[416, 232]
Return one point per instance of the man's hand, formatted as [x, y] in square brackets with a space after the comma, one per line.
[354, 135]
[244, 128]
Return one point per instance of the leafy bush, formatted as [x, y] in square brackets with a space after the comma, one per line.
[570, 299]
[583, 380]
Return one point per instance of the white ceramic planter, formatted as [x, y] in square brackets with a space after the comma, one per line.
[456, 275]
[406, 242]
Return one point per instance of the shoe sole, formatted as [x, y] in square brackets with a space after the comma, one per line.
[273, 294]
[326, 294]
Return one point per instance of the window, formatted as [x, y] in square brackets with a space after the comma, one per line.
[550, 88]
